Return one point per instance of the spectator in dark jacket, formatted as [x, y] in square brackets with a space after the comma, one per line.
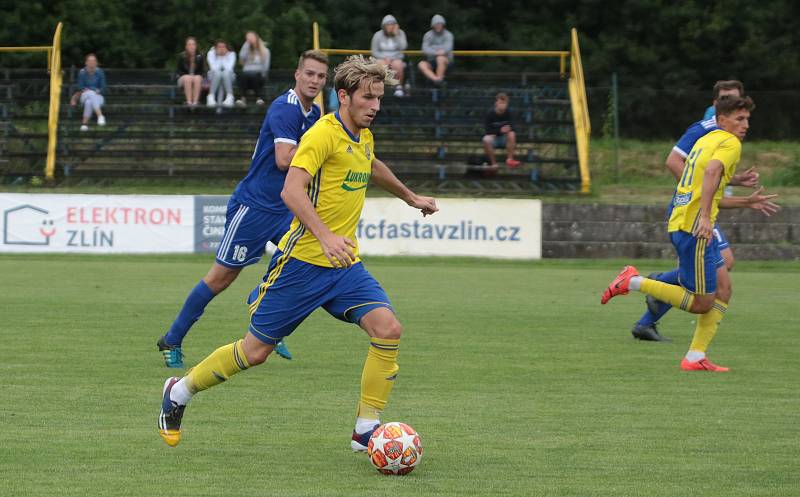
[190, 70]
[500, 132]
[91, 88]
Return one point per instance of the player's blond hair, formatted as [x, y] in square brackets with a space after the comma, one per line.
[317, 55]
[351, 74]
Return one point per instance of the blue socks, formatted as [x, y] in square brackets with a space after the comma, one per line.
[193, 308]
[648, 318]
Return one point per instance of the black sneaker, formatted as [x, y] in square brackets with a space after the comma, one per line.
[169, 419]
[648, 333]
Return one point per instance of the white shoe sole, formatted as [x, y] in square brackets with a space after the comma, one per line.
[357, 447]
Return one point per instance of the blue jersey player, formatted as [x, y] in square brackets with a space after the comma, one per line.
[645, 328]
[256, 214]
[723, 88]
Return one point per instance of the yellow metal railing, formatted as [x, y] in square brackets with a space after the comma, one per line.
[577, 86]
[54, 67]
[580, 112]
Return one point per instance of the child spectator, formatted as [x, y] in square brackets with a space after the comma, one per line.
[190, 70]
[221, 63]
[437, 44]
[91, 88]
[500, 132]
[254, 57]
[388, 45]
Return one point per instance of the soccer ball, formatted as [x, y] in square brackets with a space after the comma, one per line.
[394, 448]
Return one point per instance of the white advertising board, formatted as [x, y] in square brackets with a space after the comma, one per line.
[96, 223]
[501, 228]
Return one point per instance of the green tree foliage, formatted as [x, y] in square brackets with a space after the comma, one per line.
[657, 43]
[667, 54]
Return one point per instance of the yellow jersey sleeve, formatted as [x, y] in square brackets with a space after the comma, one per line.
[729, 153]
[314, 149]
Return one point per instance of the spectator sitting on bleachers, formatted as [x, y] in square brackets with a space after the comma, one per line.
[254, 57]
[500, 132]
[437, 44]
[388, 45]
[91, 87]
[221, 63]
[190, 70]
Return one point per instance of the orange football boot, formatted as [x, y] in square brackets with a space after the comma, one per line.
[620, 284]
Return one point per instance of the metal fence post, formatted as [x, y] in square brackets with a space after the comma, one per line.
[615, 106]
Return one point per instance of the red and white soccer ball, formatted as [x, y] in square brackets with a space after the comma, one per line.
[394, 449]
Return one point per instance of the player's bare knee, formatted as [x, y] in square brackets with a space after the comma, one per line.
[724, 292]
[702, 305]
[386, 328]
[258, 355]
[488, 139]
[391, 329]
[220, 277]
[255, 351]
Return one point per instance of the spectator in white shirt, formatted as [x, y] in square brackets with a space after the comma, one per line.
[221, 62]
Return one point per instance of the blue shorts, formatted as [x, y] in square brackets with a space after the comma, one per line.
[722, 241]
[247, 231]
[499, 141]
[293, 289]
[432, 62]
[697, 262]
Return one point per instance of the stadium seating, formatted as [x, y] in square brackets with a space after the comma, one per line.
[430, 138]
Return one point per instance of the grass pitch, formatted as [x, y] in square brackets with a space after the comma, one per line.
[518, 381]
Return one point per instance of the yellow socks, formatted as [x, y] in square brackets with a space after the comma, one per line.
[707, 325]
[220, 365]
[671, 294]
[377, 378]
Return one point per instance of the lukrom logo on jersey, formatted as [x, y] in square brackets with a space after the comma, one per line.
[360, 179]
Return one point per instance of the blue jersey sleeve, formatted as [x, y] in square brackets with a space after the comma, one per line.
[689, 138]
[286, 121]
[710, 112]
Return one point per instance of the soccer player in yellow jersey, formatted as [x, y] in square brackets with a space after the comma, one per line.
[317, 262]
[708, 168]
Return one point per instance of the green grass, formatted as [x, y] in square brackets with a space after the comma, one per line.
[518, 381]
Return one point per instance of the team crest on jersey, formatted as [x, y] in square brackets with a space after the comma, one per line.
[349, 149]
[367, 152]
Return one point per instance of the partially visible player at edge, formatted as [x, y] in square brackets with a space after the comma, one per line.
[646, 327]
[709, 167]
[256, 214]
[317, 262]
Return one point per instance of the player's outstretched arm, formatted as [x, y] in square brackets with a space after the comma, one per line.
[385, 178]
[338, 249]
[747, 178]
[756, 201]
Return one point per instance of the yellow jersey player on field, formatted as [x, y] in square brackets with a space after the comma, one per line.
[708, 168]
[317, 262]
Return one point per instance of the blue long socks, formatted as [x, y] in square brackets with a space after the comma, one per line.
[192, 309]
[648, 318]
